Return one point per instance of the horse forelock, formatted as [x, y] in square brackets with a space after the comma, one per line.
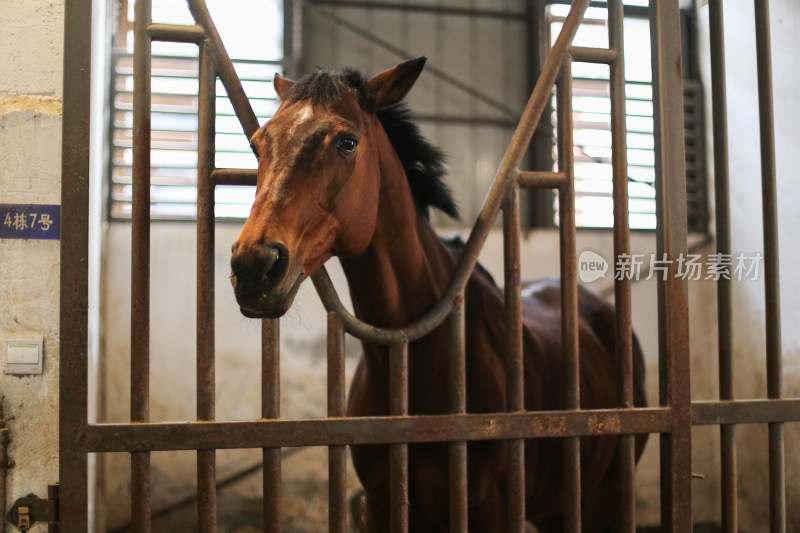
[423, 163]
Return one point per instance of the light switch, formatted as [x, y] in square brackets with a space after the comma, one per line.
[23, 356]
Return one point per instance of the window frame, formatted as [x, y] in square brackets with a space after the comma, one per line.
[288, 65]
[541, 213]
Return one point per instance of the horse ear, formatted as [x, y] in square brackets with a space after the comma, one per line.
[391, 86]
[282, 85]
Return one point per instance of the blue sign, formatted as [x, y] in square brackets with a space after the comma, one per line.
[30, 221]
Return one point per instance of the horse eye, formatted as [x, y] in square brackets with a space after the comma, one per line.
[347, 145]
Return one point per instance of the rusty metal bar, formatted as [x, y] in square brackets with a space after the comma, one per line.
[225, 70]
[5, 464]
[74, 273]
[777, 462]
[457, 372]
[165, 436]
[506, 173]
[514, 362]
[235, 176]
[596, 55]
[206, 383]
[140, 268]
[337, 455]
[673, 327]
[569, 295]
[728, 472]
[621, 231]
[398, 453]
[270, 410]
[623, 331]
[541, 179]
[176, 33]
[745, 412]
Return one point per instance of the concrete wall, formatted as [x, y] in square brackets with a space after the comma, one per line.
[30, 173]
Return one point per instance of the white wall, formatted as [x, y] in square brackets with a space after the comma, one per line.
[30, 173]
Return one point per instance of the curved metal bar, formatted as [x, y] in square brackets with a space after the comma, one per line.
[506, 174]
[225, 70]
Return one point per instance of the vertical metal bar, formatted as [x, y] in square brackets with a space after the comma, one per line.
[337, 455]
[541, 92]
[673, 327]
[569, 295]
[206, 459]
[52, 495]
[293, 38]
[457, 373]
[398, 453]
[514, 364]
[541, 150]
[271, 409]
[74, 273]
[140, 269]
[728, 472]
[622, 247]
[777, 469]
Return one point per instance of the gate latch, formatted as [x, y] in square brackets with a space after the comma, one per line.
[30, 509]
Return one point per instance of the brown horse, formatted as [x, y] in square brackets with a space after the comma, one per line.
[342, 171]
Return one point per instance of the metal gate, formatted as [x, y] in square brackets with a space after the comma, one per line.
[672, 419]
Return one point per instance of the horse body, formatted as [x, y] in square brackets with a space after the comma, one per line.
[317, 198]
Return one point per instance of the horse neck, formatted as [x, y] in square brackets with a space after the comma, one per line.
[405, 268]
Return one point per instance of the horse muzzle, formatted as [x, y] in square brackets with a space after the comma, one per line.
[263, 281]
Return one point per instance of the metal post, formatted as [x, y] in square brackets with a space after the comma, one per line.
[777, 464]
[398, 453]
[673, 330]
[271, 409]
[74, 277]
[569, 295]
[140, 268]
[728, 474]
[206, 384]
[337, 455]
[515, 492]
[623, 332]
[457, 372]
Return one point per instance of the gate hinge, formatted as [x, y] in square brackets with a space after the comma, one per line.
[30, 509]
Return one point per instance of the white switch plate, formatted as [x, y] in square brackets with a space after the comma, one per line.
[23, 356]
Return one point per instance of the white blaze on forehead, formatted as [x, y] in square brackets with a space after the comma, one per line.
[303, 115]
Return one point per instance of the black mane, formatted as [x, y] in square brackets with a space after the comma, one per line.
[423, 163]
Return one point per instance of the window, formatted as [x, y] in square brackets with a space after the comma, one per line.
[174, 106]
[591, 117]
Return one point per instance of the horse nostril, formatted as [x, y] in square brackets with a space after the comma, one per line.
[266, 266]
[274, 258]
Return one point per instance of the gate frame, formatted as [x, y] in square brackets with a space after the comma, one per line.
[673, 419]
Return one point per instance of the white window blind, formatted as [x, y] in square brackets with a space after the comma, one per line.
[592, 134]
[255, 43]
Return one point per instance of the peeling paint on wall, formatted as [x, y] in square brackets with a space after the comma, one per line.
[41, 105]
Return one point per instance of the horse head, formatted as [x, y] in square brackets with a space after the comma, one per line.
[318, 182]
